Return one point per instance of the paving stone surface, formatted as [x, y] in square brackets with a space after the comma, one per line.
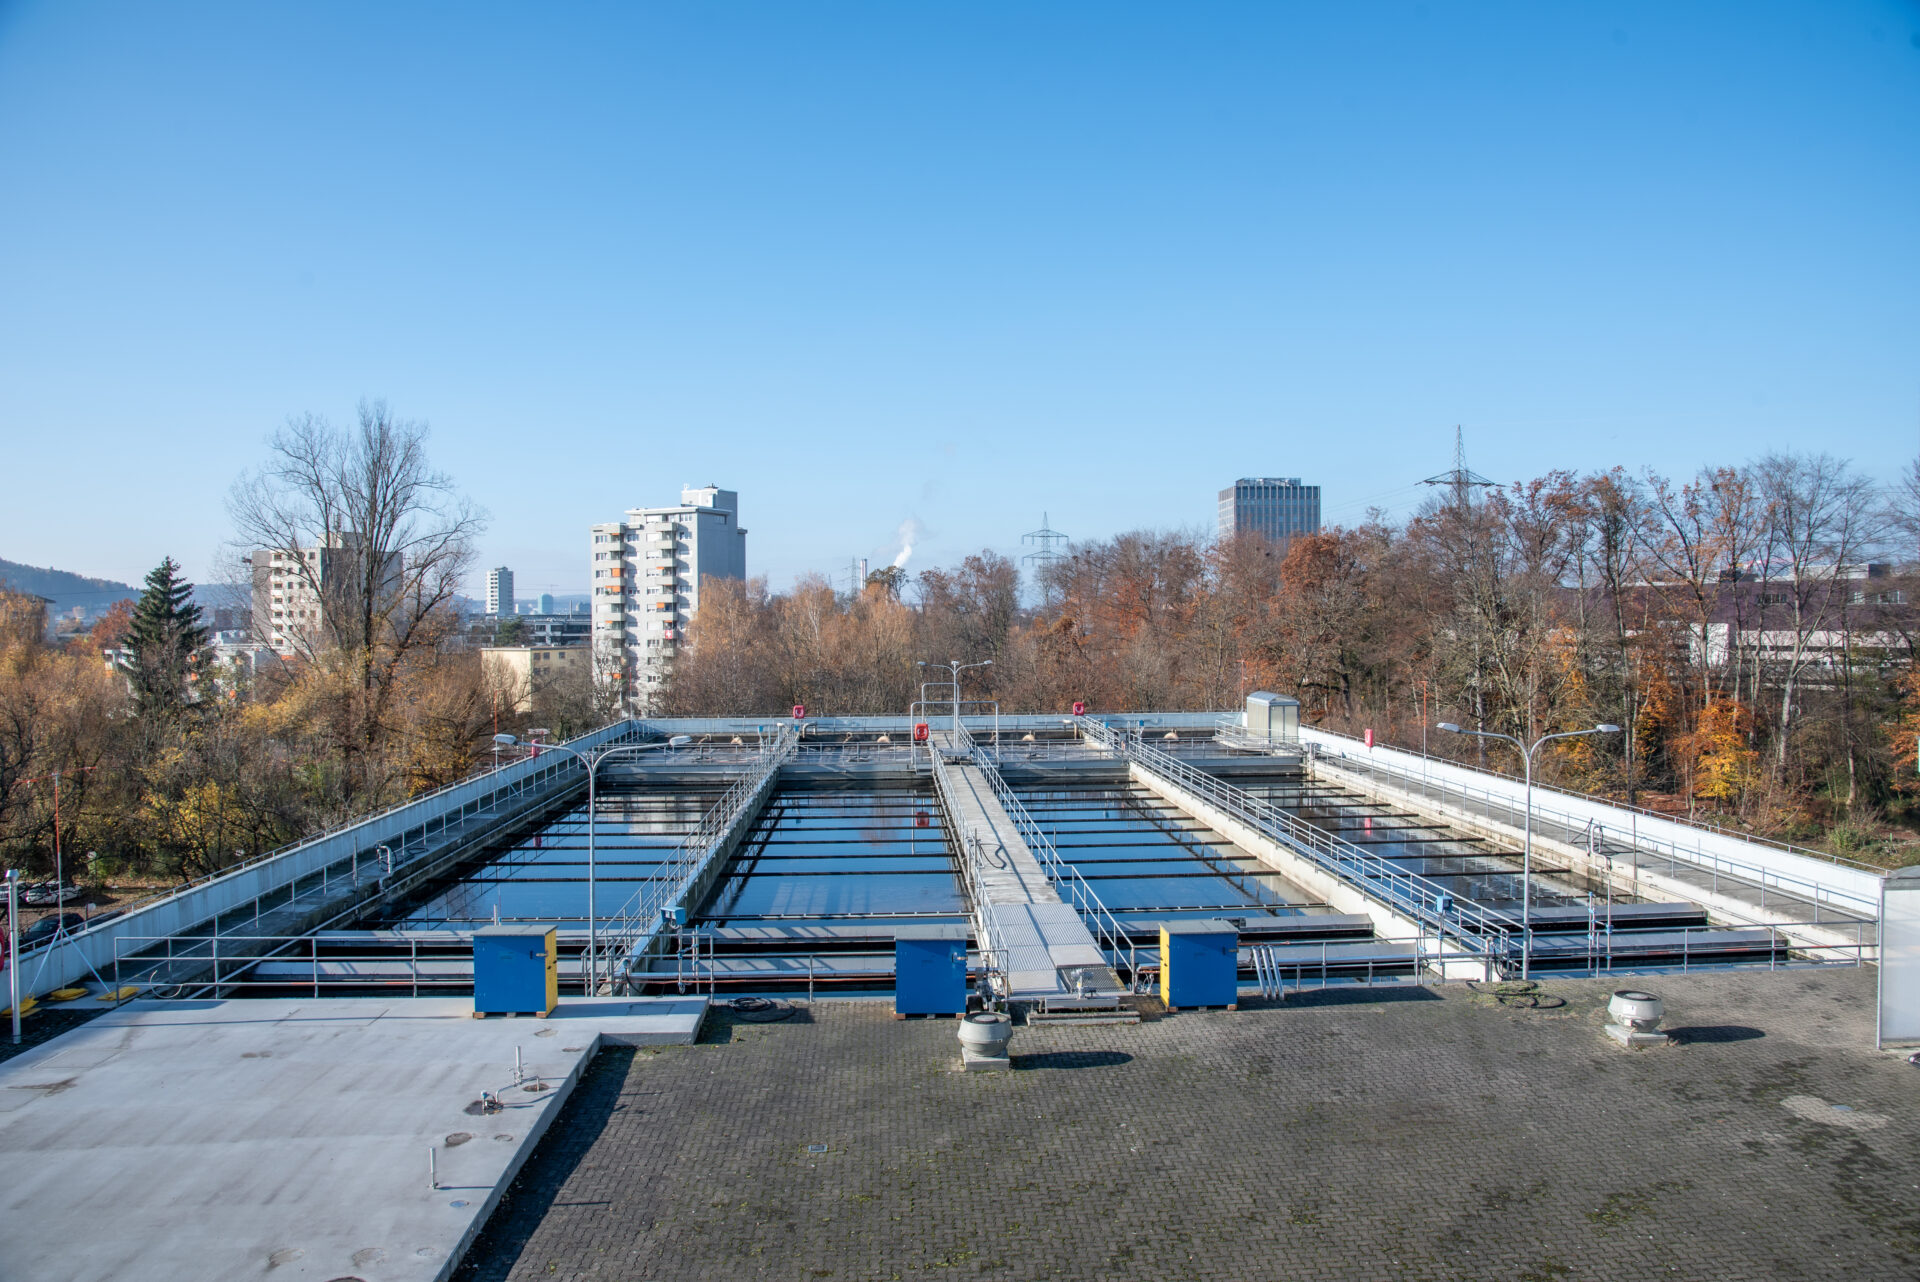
[1382, 1134]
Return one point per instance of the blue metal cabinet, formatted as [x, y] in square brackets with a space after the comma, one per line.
[516, 970]
[1199, 963]
[930, 970]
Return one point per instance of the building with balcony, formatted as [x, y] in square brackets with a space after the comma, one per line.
[646, 574]
[292, 587]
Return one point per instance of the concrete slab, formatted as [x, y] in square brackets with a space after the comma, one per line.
[223, 1139]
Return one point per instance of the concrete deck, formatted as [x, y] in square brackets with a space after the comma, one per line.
[199, 1140]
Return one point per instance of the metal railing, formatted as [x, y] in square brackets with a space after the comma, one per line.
[689, 962]
[1241, 739]
[1413, 960]
[1428, 903]
[1629, 839]
[1684, 821]
[627, 931]
[180, 966]
[971, 856]
[250, 886]
[1059, 872]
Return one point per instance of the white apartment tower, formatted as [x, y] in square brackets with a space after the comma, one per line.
[499, 590]
[290, 587]
[646, 576]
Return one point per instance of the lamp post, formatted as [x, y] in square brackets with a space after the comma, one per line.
[956, 668]
[1526, 845]
[591, 760]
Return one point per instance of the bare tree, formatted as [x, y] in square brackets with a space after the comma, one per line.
[1819, 521]
[373, 533]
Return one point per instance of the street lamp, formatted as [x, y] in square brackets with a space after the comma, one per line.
[956, 668]
[1526, 846]
[592, 762]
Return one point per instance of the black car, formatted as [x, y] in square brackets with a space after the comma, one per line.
[44, 929]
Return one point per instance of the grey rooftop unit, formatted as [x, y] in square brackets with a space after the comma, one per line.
[1273, 716]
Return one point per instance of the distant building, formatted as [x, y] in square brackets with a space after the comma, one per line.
[646, 573]
[544, 604]
[500, 590]
[530, 629]
[522, 671]
[1274, 506]
[290, 586]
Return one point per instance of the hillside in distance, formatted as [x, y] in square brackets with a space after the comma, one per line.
[64, 588]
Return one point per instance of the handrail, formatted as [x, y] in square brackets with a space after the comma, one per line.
[1682, 820]
[1080, 894]
[1427, 902]
[1635, 838]
[971, 855]
[629, 928]
[127, 908]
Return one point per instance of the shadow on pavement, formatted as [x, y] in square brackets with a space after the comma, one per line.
[1072, 1059]
[533, 1192]
[1708, 1033]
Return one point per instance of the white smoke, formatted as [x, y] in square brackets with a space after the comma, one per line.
[905, 536]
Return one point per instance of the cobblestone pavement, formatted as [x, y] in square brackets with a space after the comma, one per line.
[1382, 1134]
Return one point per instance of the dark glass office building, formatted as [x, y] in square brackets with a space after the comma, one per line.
[1276, 506]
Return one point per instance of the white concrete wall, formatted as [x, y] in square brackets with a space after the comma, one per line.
[1853, 889]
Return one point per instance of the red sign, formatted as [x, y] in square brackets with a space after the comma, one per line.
[1366, 737]
[799, 711]
[921, 819]
[920, 732]
[1079, 708]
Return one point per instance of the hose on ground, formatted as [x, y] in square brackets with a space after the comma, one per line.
[1518, 994]
[760, 1010]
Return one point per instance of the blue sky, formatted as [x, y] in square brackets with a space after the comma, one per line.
[950, 264]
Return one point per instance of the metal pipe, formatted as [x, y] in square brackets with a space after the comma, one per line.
[13, 948]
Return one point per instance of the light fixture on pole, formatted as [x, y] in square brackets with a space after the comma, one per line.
[591, 760]
[956, 668]
[1526, 845]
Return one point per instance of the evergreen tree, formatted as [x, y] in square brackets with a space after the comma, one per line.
[164, 641]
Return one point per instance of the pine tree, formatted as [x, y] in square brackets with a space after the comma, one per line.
[164, 641]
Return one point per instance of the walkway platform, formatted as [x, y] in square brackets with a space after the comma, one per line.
[1630, 867]
[1052, 958]
[201, 1140]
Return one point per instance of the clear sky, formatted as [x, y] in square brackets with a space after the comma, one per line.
[955, 264]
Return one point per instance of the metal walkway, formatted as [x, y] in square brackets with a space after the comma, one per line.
[1040, 947]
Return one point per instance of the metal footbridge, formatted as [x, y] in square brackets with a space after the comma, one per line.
[1041, 947]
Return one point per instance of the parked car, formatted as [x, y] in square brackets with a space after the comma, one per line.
[44, 929]
[47, 892]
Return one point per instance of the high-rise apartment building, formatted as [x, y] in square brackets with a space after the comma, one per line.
[646, 576]
[1278, 507]
[290, 587]
[500, 590]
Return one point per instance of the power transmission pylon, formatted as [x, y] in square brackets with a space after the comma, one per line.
[1046, 543]
[1461, 480]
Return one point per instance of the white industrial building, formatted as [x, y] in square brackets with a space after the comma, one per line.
[646, 576]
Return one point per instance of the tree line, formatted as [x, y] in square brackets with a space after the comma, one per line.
[1730, 622]
[173, 763]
